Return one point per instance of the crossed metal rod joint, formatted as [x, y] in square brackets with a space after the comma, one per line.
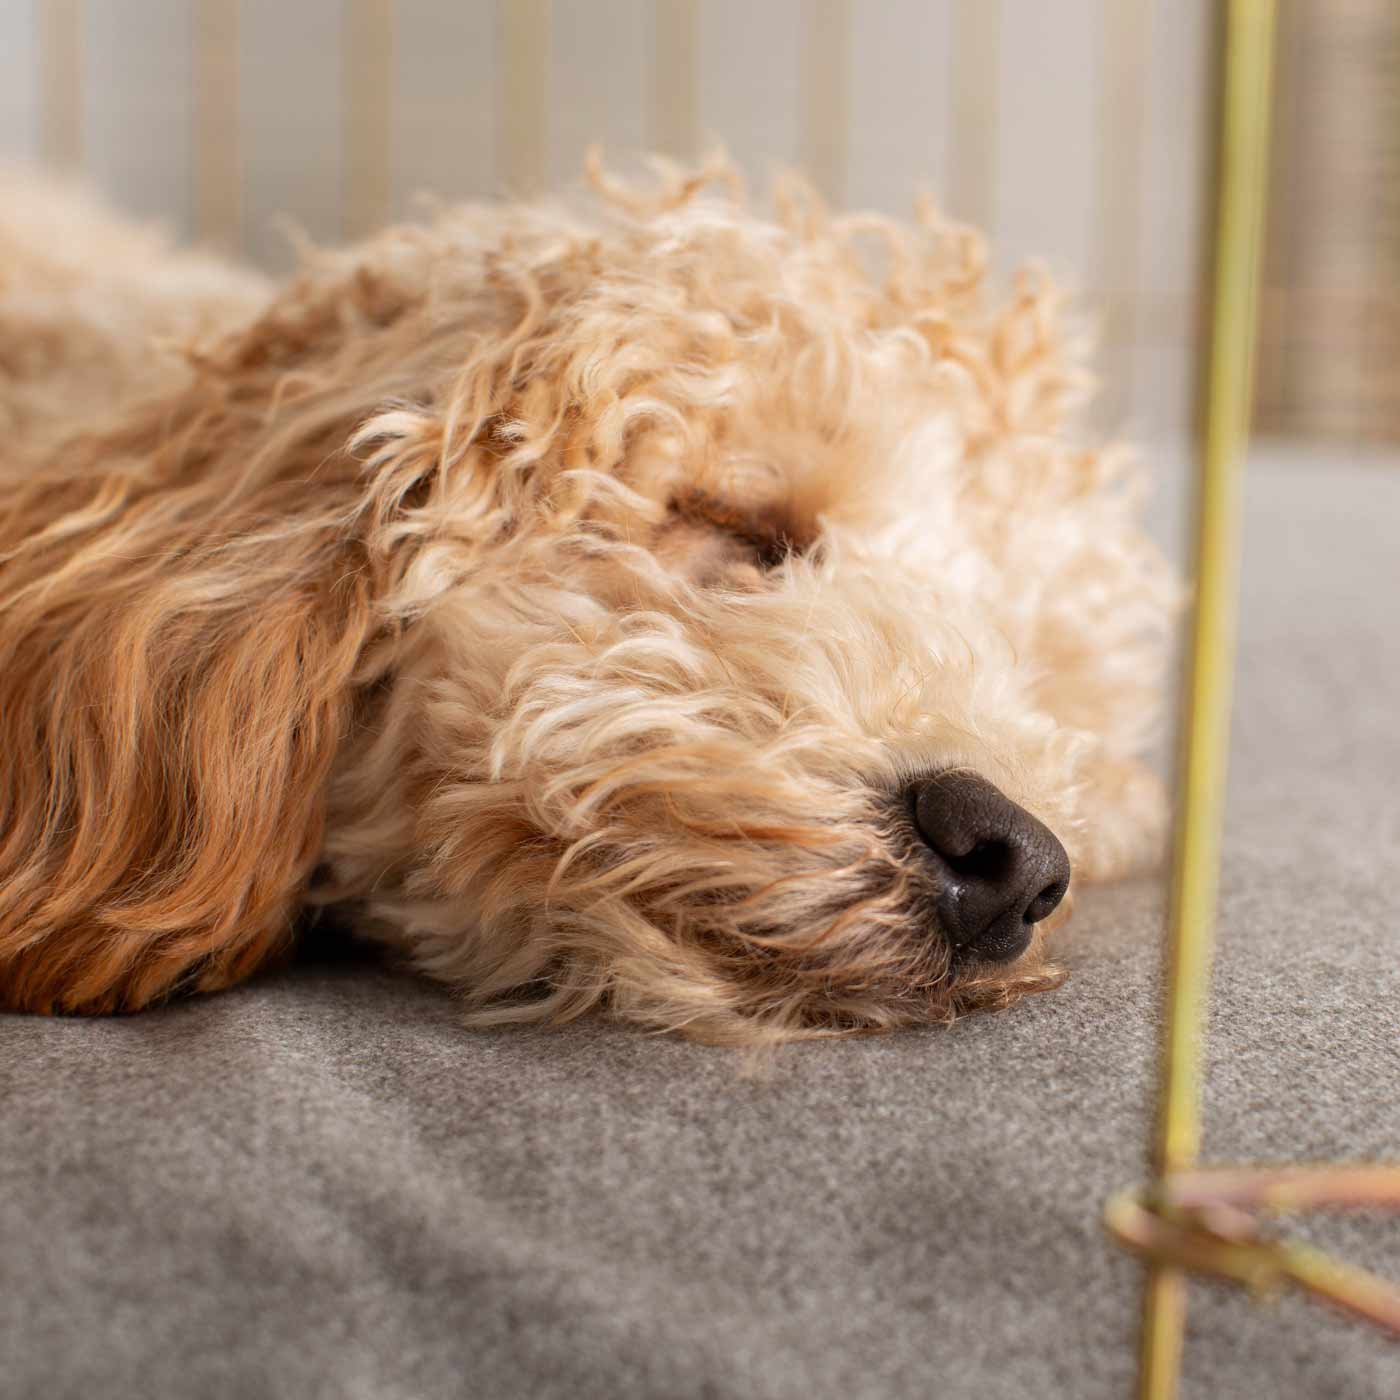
[1208, 1221]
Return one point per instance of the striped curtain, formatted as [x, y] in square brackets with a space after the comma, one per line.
[1331, 330]
[1073, 131]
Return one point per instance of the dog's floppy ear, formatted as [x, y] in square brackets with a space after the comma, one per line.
[185, 597]
[177, 642]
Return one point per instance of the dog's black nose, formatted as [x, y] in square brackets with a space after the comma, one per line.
[1003, 870]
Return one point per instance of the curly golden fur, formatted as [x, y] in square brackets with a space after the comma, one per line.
[562, 597]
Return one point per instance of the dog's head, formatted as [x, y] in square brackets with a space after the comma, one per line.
[766, 653]
[707, 616]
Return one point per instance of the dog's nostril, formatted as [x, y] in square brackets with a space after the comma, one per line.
[1045, 903]
[987, 860]
[1002, 869]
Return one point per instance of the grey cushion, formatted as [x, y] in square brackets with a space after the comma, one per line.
[320, 1185]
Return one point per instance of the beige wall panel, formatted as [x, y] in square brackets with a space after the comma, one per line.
[1047, 149]
[19, 80]
[1011, 112]
[599, 82]
[750, 85]
[446, 100]
[901, 103]
[290, 85]
[138, 105]
[1173, 188]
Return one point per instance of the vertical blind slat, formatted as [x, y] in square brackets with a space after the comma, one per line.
[826, 94]
[600, 54]
[367, 100]
[901, 111]
[218, 176]
[447, 115]
[1120, 119]
[749, 81]
[1168, 284]
[1050, 69]
[291, 123]
[525, 58]
[1071, 130]
[61, 65]
[19, 80]
[138, 106]
[674, 99]
[972, 184]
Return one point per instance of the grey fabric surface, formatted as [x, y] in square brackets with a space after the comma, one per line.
[320, 1185]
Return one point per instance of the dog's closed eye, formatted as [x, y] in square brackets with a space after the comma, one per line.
[762, 539]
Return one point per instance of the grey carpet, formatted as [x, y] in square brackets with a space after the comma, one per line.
[319, 1185]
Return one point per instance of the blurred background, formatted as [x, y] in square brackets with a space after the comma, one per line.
[1075, 131]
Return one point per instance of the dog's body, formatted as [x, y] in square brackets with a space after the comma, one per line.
[575, 604]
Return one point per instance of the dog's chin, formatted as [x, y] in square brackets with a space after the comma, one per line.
[811, 947]
[962, 980]
[964, 990]
[777, 940]
[927, 982]
[992, 984]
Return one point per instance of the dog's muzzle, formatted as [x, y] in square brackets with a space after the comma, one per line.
[1000, 870]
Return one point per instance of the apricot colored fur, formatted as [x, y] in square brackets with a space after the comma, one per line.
[561, 597]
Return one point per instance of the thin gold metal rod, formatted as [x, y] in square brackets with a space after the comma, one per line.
[1226, 1242]
[1246, 73]
[1355, 1186]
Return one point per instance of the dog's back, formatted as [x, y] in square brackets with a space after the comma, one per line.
[93, 311]
[106, 330]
